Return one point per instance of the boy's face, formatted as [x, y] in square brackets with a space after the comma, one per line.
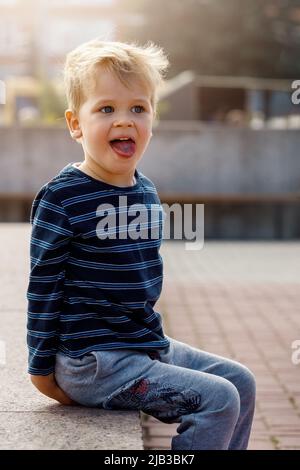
[111, 111]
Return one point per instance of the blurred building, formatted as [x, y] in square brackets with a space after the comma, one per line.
[239, 101]
[249, 181]
[35, 36]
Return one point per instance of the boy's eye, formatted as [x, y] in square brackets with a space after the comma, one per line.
[139, 107]
[107, 109]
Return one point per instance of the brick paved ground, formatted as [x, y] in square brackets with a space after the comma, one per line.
[240, 300]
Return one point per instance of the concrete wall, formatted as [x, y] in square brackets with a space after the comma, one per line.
[30, 157]
[184, 157]
[220, 160]
[181, 157]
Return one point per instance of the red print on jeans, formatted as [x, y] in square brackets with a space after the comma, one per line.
[141, 387]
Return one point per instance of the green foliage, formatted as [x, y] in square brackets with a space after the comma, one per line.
[52, 104]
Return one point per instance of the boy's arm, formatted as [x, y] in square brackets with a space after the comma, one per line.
[49, 252]
[47, 385]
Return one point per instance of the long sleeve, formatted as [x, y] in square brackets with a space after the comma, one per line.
[49, 252]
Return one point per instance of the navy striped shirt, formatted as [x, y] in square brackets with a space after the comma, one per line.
[89, 291]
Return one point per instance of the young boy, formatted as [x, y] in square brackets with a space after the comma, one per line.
[94, 337]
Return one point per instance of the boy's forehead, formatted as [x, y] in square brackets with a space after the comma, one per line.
[107, 86]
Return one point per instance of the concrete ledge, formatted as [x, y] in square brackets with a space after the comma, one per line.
[69, 428]
[29, 420]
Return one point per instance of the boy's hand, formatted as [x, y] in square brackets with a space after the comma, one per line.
[47, 385]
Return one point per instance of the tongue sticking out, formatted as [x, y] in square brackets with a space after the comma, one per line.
[123, 147]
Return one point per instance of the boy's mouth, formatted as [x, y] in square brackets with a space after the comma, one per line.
[125, 148]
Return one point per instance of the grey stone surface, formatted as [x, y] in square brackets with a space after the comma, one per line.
[29, 420]
[59, 427]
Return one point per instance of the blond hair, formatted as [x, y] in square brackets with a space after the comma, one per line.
[126, 60]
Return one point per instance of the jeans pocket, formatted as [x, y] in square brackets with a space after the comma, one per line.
[165, 354]
[76, 375]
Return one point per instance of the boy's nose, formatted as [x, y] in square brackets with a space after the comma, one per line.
[123, 123]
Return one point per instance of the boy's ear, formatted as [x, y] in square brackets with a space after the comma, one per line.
[73, 124]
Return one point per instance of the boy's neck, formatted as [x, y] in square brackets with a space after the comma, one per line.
[119, 181]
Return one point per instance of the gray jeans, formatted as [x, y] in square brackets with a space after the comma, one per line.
[213, 398]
